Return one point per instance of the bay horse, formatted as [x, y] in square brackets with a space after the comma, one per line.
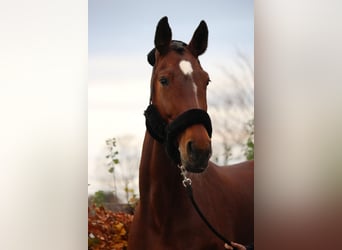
[178, 140]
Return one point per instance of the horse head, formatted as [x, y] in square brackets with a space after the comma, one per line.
[178, 94]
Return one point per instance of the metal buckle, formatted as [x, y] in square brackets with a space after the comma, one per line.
[186, 180]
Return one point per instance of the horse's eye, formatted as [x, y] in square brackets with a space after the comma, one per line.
[163, 80]
[208, 82]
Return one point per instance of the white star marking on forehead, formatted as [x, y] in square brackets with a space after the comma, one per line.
[185, 67]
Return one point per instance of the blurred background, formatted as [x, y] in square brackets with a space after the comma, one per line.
[121, 33]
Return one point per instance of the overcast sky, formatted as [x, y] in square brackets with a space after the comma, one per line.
[121, 33]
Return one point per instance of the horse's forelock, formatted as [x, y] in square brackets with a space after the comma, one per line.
[175, 45]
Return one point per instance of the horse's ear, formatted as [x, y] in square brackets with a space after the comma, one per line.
[163, 36]
[199, 40]
[151, 57]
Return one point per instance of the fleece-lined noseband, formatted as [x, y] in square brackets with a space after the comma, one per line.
[167, 134]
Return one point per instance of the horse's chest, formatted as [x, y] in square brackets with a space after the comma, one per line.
[186, 232]
[183, 237]
[192, 242]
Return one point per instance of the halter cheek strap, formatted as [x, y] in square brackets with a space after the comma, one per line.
[166, 133]
[155, 124]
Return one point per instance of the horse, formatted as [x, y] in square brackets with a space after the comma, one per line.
[177, 150]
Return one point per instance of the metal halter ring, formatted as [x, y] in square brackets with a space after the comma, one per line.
[186, 182]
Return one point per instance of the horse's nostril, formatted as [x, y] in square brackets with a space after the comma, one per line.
[197, 154]
[190, 147]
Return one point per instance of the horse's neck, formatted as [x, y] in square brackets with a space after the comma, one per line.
[159, 180]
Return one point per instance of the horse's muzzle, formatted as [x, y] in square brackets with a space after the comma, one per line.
[196, 160]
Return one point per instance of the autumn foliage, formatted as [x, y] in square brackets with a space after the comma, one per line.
[107, 230]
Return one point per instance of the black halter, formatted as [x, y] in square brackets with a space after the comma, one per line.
[166, 133]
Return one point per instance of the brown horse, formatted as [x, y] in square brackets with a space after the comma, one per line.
[179, 134]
